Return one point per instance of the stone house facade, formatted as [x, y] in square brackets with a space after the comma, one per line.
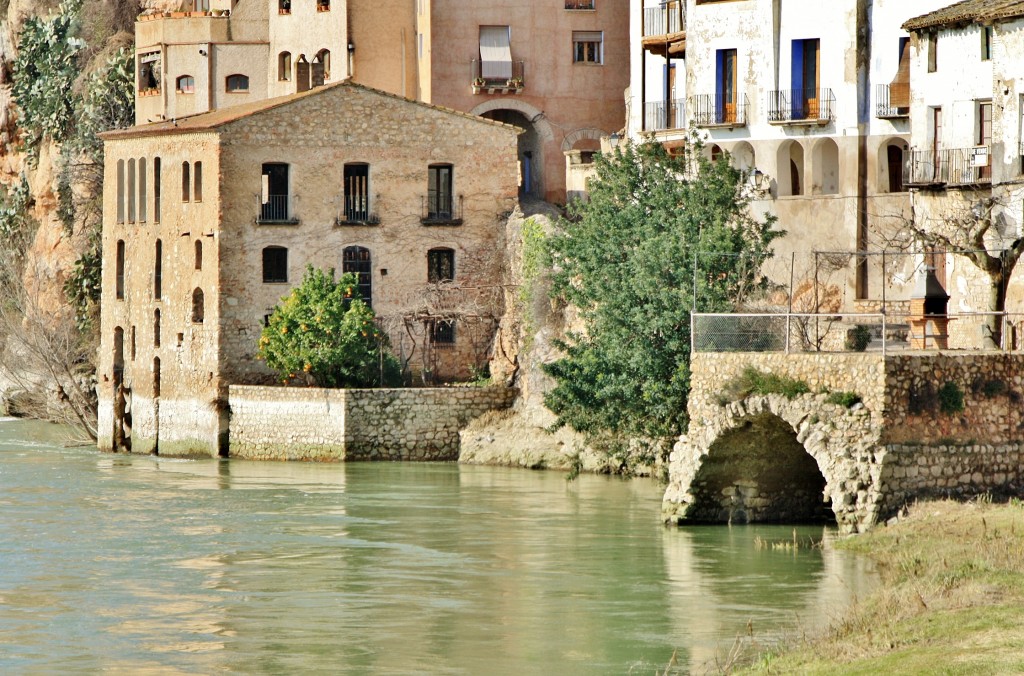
[811, 98]
[210, 220]
[966, 162]
[556, 70]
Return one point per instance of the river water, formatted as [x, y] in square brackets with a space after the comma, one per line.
[165, 566]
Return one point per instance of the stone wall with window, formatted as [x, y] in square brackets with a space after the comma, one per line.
[165, 375]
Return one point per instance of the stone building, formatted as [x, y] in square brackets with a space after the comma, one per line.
[966, 160]
[209, 220]
[556, 70]
[811, 98]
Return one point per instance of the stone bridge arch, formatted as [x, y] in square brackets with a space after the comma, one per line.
[769, 458]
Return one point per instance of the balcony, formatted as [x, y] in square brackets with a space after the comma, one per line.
[441, 209]
[948, 167]
[801, 107]
[707, 112]
[356, 211]
[892, 102]
[510, 81]
[664, 29]
[661, 115]
[275, 210]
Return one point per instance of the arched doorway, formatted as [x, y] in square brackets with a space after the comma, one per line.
[759, 472]
[530, 150]
[826, 168]
[791, 169]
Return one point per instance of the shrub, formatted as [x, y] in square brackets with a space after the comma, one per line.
[858, 338]
[951, 398]
[847, 399]
[322, 332]
[752, 381]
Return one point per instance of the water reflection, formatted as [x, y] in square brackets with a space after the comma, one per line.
[142, 564]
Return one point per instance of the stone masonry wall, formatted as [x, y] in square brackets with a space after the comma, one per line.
[278, 423]
[898, 445]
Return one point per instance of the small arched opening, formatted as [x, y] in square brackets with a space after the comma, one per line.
[759, 472]
[790, 169]
[531, 164]
[743, 157]
[891, 165]
[826, 168]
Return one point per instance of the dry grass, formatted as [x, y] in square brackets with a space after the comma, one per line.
[951, 600]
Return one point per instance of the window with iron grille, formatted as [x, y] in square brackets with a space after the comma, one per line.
[440, 265]
[443, 332]
[356, 259]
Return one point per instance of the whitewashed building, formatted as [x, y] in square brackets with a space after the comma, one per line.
[812, 98]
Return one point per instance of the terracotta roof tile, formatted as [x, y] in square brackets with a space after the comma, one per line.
[967, 11]
[217, 118]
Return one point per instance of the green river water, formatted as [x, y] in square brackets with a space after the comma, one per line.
[146, 565]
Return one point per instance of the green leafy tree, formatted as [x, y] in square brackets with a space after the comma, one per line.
[324, 334]
[626, 259]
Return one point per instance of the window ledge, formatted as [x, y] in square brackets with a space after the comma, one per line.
[276, 221]
[371, 221]
[429, 220]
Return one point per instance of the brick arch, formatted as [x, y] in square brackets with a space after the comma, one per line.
[532, 113]
[843, 444]
[589, 133]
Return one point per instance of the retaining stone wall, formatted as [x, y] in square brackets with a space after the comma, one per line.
[279, 423]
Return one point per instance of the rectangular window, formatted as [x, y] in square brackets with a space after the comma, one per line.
[357, 193]
[275, 265]
[933, 51]
[725, 86]
[156, 189]
[186, 182]
[119, 271]
[495, 53]
[899, 88]
[197, 182]
[588, 47]
[275, 193]
[440, 265]
[439, 191]
[132, 194]
[984, 140]
[120, 191]
[986, 43]
[804, 69]
[143, 194]
[443, 332]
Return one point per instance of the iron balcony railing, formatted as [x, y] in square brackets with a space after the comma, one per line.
[707, 111]
[892, 101]
[482, 74]
[660, 115]
[666, 19]
[355, 210]
[951, 166]
[794, 106]
[441, 209]
[276, 209]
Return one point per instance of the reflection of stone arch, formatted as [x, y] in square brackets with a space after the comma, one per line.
[586, 133]
[532, 113]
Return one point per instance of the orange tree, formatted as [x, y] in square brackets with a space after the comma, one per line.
[323, 334]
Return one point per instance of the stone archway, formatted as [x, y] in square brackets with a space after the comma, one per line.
[806, 437]
[759, 472]
[584, 134]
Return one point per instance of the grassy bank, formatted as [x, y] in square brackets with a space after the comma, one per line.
[951, 599]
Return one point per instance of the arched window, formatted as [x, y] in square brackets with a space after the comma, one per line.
[186, 84]
[440, 265]
[158, 271]
[790, 169]
[237, 83]
[198, 306]
[321, 67]
[156, 189]
[199, 254]
[119, 271]
[356, 259]
[156, 327]
[716, 152]
[323, 5]
[197, 176]
[186, 182]
[131, 191]
[275, 265]
[120, 191]
[826, 168]
[284, 66]
[143, 192]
